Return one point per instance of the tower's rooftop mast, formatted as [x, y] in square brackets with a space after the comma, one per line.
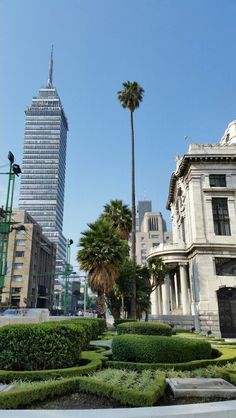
[50, 70]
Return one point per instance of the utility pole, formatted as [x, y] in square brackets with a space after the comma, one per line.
[5, 221]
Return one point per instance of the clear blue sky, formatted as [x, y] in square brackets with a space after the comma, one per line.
[182, 52]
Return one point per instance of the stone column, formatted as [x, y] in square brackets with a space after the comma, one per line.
[154, 303]
[176, 291]
[172, 293]
[165, 288]
[159, 300]
[184, 289]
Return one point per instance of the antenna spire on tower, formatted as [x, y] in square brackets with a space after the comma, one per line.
[50, 70]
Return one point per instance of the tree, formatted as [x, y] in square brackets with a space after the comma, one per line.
[130, 98]
[121, 295]
[101, 254]
[120, 217]
[144, 290]
[158, 271]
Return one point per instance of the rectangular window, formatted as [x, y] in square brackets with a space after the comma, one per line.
[20, 253]
[20, 241]
[17, 278]
[154, 236]
[15, 289]
[18, 266]
[225, 266]
[217, 180]
[220, 216]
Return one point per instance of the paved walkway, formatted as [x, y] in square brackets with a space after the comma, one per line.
[208, 410]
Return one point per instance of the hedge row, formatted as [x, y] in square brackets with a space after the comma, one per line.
[50, 345]
[123, 321]
[90, 361]
[145, 328]
[221, 356]
[25, 396]
[155, 349]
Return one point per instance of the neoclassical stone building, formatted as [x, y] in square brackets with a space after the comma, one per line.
[200, 289]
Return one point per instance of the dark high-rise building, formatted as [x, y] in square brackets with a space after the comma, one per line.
[143, 207]
[44, 162]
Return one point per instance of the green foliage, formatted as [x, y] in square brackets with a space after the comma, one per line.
[40, 346]
[90, 361]
[25, 395]
[101, 246]
[225, 356]
[99, 325]
[131, 95]
[120, 216]
[129, 273]
[149, 386]
[145, 328]
[130, 388]
[102, 253]
[155, 349]
[123, 321]
[157, 270]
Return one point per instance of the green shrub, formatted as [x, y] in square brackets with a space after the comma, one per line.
[40, 346]
[93, 326]
[155, 349]
[27, 394]
[90, 361]
[127, 387]
[145, 328]
[123, 321]
[225, 356]
[98, 325]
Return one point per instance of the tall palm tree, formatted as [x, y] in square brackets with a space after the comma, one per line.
[130, 98]
[120, 217]
[101, 254]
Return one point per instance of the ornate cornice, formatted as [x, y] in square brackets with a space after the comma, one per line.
[186, 162]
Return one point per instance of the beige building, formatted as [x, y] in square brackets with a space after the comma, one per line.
[30, 265]
[201, 287]
[152, 233]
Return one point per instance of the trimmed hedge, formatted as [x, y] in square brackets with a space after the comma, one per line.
[145, 328]
[96, 325]
[40, 346]
[90, 361]
[23, 396]
[225, 356]
[155, 349]
[123, 321]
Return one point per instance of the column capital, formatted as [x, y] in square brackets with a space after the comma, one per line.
[183, 263]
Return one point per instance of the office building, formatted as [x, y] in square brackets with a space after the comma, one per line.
[152, 233]
[143, 207]
[44, 163]
[31, 265]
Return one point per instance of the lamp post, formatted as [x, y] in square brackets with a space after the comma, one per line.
[85, 294]
[5, 224]
[67, 273]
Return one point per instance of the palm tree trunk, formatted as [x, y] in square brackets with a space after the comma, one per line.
[101, 305]
[133, 233]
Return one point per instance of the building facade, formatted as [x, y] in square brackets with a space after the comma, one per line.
[142, 207]
[31, 265]
[44, 163]
[152, 233]
[202, 258]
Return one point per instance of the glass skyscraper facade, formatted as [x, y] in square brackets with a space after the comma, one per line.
[44, 162]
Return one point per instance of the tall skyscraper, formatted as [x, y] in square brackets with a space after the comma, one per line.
[44, 162]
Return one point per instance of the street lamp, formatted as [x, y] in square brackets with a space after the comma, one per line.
[67, 273]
